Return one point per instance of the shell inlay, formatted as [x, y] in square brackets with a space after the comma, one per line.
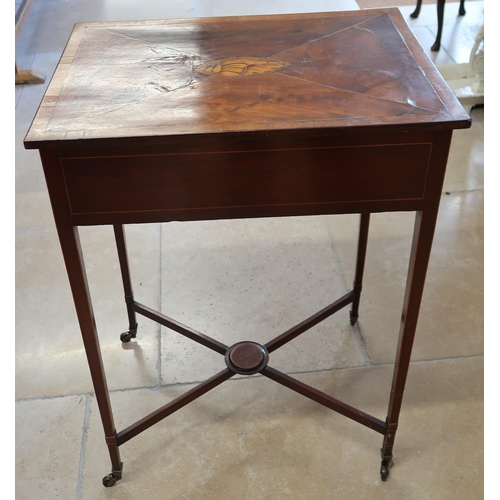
[240, 66]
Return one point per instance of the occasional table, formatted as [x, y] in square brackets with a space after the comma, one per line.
[244, 117]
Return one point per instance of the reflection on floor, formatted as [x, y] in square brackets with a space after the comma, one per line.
[249, 438]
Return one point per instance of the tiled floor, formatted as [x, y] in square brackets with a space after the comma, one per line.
[250, 438]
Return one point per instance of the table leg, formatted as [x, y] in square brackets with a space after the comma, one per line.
[364, 225]
[416, 12]
[127, 283]
[440, 17]
[70, 244]
[461, 8]
[423, 234]
[419, 259]
[73, 258]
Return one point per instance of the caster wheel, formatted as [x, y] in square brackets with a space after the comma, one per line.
[126, 336]
[109, 480]
[384, 472]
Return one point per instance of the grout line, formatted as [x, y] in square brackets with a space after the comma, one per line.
[463, 191]
[362, 341]
[49, 398]
[181, 384]
[356, 330]
[325, 370]
[34, 228]
[335, 255]
[158, 328]
[85, 433]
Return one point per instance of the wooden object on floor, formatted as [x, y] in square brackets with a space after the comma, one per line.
[440, 16]
[25, 76]
[244, 117]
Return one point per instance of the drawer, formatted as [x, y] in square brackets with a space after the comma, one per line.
[225, 180]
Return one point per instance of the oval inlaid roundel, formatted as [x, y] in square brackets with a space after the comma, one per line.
[240, 66]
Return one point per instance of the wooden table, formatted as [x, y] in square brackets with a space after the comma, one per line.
[243, 117]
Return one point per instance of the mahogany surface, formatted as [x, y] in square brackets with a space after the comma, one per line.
[143, 80]
[192, 119]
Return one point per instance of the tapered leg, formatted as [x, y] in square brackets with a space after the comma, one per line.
[416, 12]
[423, 234]
[73, 259]
[420, 253]
[127, 283]
[440, 16]
[70, 244]
[364, 225]
[461, 8]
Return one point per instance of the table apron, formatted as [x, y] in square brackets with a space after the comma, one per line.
[231, 184]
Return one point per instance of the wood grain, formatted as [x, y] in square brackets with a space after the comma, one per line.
[169, 78]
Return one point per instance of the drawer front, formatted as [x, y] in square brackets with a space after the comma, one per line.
[292, 177]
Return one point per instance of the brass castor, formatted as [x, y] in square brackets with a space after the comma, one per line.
[353, 318]
[109, 480]
[126, 336]
[384, 472]
[385, 466]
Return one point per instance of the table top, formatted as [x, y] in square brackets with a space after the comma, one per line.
[342, 71]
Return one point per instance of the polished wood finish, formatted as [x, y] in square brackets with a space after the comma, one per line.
[246, 356]
[121, 247]
[174, 325]
[175, 405]
[307, 324]
[344, 70]
[327, 176]
[364, 225]
[261, 116]
[325, 400]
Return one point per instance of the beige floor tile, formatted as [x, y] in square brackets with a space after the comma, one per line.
[465, 170]
[208, 8]
[33, 209]
[23, 62]
[50, 358]
[32, 203]
[29, 172]
[255, 439]
[459, 39]
[428, 14]
[45, 63]
[50, 23]
[453, 304]
[252, 280]
[48, 443]
[451, 318]
[458, 35]
[477, 115]
[427, 37]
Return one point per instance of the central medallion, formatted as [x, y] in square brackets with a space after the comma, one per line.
[246, 358]
[240, 66]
